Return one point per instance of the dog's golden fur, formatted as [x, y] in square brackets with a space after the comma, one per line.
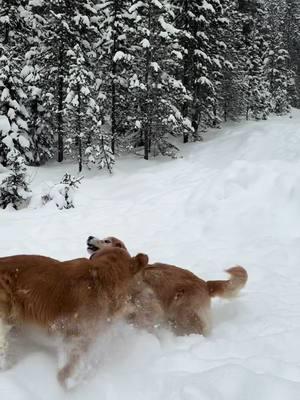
[166, 294]
[70, 298]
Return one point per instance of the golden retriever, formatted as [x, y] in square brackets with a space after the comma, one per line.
[73, 298]
[166, 294]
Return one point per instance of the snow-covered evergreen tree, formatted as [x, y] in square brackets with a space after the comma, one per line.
[14, 189]
[232, 91]
[62, 194]
[98, 77]
[116, 56]
[202, 25]
[35, 76]
[255, 50]
[292, 39]
[12, 96]
[81, 107]
[278, 58]
[156, 93]
[100, 152]
[59, 23]
[12, 99]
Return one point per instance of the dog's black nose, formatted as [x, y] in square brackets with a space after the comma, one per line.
[90, 238]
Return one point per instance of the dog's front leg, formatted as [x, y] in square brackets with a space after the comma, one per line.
[78, 349]
[4, 330]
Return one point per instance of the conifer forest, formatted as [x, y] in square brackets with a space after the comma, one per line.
[91, 79]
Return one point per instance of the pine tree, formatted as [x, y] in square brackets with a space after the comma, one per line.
[256, 50]
[292, 39]
[155, 90]
[62, 193]
[116, 55]
[64, 25]
[278, 58]
[100, 152]
[14, 189]
[35, 77]
[57, 40]
[12, 96]
[82, 109]
[232, 87]
[202, 24]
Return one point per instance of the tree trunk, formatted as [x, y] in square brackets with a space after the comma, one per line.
[60, 142]
[215, 115]
[79, 154]
[184, 114]
[195, 124]
[113, 81]
[148, 80]
[113, 112]
[146, 142]
[78, 128]
[186, 68]
[225, 111]
[34, 110]
[6, 35]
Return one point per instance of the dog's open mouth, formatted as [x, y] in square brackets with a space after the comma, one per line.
[91, 247]
[90, 244]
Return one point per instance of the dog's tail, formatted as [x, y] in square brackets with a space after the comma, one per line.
[231, 287]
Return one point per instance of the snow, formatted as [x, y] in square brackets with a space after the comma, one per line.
[206, 6]
[27, 70]
[178, 54]
[205, 81]
[5, 94]
[157, 4]
[119, 56]
[170, 29]
[36, 3]
[8, 141]
[234, 198]
[4, 124]
[83, 19]
[201, 53]
[136, 6]
[145, 43]
[155, 66]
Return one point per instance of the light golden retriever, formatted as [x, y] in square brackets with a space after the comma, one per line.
[73, 298]
[165, 294]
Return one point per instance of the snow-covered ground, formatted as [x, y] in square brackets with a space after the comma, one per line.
[233, 199]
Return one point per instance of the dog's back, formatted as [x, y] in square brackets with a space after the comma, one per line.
[171, 283]
[43, 290]
[185, 298]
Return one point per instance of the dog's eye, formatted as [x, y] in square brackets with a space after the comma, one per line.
[107, 241]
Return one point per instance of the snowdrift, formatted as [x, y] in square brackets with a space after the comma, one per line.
[233, 199]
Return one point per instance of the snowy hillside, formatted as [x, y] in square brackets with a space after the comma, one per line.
[234, 199]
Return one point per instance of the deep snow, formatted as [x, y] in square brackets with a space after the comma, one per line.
[234, 198]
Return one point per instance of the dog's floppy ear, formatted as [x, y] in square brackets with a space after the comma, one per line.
[118, 243]
[140, 261]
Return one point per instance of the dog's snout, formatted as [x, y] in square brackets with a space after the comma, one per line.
[92, 245]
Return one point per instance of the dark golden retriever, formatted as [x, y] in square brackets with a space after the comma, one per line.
[72, 298]
[166, 294]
